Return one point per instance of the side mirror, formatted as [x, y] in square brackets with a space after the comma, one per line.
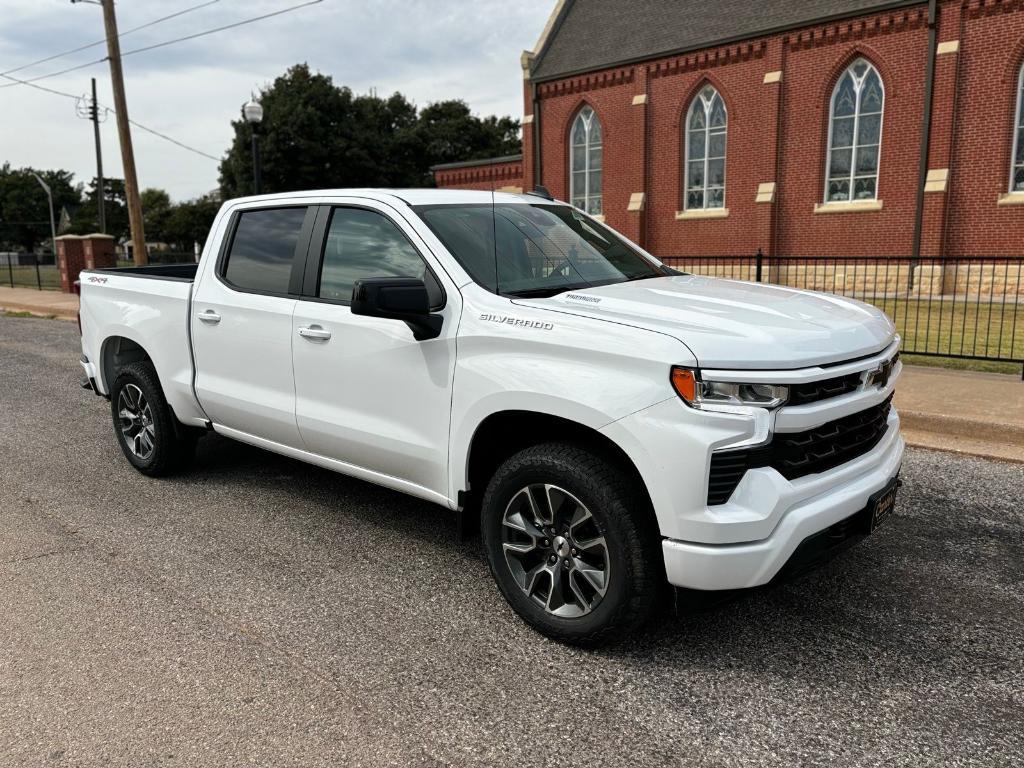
[397, 298]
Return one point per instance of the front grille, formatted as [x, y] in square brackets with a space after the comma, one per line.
[812, 392]
[798, 454]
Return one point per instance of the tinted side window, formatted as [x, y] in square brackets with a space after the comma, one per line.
[362, 243]
[263, 248]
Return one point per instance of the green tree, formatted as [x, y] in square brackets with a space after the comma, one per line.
[24, 208]
[189, 222]
[449, 132]
[156, 208]
[115, 210]
[316, 135]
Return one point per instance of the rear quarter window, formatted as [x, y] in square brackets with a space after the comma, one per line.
[263, 249]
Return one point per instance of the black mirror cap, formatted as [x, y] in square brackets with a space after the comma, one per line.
[405, 295]
[397, 298]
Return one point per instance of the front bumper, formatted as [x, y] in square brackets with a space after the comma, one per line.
[746, 540]
[843, 492]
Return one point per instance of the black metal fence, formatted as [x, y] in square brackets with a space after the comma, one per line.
[969, 308]
[30, 270]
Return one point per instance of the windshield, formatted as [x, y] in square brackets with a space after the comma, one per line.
[535, 249]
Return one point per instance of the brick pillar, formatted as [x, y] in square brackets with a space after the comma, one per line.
[98, 251]
[767, 193]
[940, 148]
[70, 260]
[635, 220]
[529, 180]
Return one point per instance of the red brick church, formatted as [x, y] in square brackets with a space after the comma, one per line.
[835, 127]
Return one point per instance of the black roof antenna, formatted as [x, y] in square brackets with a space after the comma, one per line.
[541, 191]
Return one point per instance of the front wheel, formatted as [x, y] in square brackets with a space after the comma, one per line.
[150, 436]
[572, 544]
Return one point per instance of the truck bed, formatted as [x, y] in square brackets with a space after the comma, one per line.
[186, 272]
[124, 309]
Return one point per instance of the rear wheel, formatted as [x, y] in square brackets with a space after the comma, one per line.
[572, 544]
[152, 439]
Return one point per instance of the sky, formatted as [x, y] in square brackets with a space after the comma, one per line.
[430, 50]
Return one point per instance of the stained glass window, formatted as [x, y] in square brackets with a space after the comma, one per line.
[855, 135]
[1017, 168]
[704, 164]
[585, 150]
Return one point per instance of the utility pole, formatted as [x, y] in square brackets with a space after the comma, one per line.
[89, 109]
[94, 114]
[131, 182]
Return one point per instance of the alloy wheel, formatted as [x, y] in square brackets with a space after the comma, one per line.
[555, 550]
[136, 421]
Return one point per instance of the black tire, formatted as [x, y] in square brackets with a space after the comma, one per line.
[172, 443]
[633, 572]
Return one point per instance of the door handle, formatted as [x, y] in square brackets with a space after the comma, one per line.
[314, 333]
[209, 316]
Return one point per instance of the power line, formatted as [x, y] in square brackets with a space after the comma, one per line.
[165, 137]
[110, 111]
[221, 29]
[103, 42]
[161, 45]
[37, 87]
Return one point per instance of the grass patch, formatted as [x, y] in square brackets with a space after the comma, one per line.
[956, 364]
[15, 313]
[961, 328]
[25, 277]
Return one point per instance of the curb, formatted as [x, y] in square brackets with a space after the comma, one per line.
[35, 311]
[970, 430]
[960, 446]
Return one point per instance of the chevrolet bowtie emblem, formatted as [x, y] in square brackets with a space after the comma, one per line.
[880, 375]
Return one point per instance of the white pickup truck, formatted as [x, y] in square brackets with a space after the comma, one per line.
[618, 426]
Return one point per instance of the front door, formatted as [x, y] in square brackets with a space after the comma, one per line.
[242, 325]
[367, 393]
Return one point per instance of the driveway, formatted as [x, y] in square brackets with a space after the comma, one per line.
[263, 612]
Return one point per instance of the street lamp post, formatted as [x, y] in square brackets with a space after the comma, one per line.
[53, 228]
[252, 111]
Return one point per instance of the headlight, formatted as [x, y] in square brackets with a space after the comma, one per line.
[697, 394]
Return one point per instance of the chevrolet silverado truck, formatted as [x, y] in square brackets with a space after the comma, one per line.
[618, 426]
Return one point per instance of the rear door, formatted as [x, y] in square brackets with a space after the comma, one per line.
[367, 393]
[242, 324]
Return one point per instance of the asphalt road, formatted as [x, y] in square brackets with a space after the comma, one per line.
[263, 612]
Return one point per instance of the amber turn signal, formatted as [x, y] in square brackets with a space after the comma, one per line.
[685, 384]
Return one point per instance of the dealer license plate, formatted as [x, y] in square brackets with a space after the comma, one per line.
[883, 503]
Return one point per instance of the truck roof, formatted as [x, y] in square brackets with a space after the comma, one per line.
[409, 196]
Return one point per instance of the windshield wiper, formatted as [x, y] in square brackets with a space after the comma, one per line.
[543, 293]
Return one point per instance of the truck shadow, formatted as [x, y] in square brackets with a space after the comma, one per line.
[896, 604]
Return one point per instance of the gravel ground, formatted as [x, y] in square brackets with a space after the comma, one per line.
[263, 612]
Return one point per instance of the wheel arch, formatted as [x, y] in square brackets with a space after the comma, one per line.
[117, 352]
[503, 433]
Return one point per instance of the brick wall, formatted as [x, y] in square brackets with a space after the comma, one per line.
[991, 51]
[506, 175]
[778, 133]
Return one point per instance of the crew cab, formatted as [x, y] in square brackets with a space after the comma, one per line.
[616, 425]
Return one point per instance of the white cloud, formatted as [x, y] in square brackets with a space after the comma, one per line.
[428, 49]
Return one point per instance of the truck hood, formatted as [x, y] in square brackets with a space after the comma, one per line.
[732, 324]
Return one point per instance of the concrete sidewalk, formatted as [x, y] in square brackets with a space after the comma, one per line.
[45, 303]
[980, 414]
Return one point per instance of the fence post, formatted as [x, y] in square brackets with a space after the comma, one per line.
[10, 269]
[759, 263]
[39, 279]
